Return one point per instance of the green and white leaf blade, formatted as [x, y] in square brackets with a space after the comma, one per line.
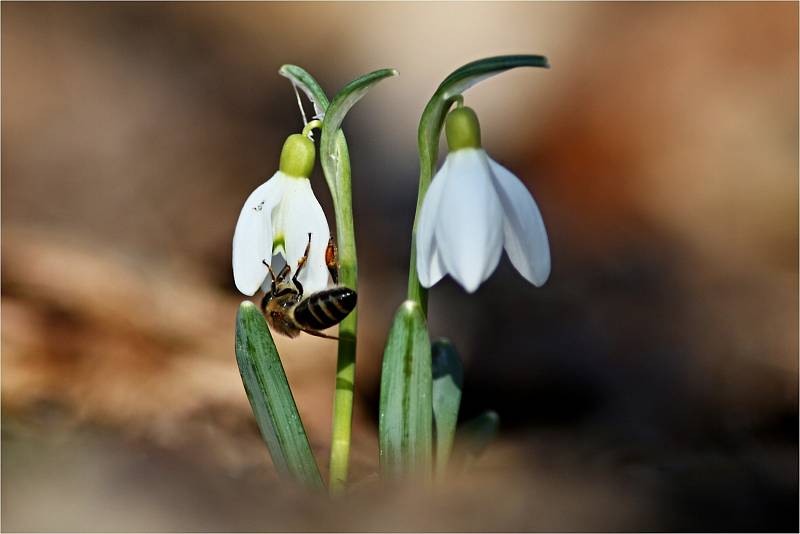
[271, 399]
[405, 420]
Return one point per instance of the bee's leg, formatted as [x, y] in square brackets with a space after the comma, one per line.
[272, 275]
[332, 261]
[299, 287]
[318, 334]
[300, 263]
[284, 273]
[265, 301]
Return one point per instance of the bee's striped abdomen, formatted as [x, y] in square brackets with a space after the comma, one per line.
[326, 308]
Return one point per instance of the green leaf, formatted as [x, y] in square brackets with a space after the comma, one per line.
[271, 399]
[405, 419]
[332, 149]
[430, 129]
[351, 93]
[474, 436]
[302, 79]
[448, 378]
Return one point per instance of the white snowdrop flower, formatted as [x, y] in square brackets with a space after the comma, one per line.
[475, 208]
[277, 218]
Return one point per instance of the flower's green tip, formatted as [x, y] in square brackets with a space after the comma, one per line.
[409, 307]
[247, 310]
[442, 342]
[462, 129]
[247, 307]
[297, 156]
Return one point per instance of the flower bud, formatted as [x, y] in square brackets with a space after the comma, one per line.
[462, 129]
[297, 156]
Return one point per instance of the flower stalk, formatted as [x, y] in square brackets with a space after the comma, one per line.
[346, 353]
[335, 160]
[310, 126]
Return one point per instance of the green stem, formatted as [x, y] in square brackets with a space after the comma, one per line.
[430, 129]
[310, 126]
[335, 160]
[346, 358]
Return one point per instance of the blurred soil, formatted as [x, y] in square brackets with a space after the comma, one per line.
[121, 377]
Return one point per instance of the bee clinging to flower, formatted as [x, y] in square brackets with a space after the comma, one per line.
[290, 312]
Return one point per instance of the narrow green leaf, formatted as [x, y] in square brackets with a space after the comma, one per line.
[271, 399]
[468, 75]
[473, 437]
[351, 93]
[405, 418]
[332, 150]
[302, 79]
[430, 129]
[448, 378]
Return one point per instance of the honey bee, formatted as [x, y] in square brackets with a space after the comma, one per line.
[289, 312]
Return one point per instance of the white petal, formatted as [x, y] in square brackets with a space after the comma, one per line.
[252, 239]
[429, 265]
[525, 237]
[469, 227]
[300, 215]
[436, 269]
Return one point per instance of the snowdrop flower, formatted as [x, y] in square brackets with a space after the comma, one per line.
[277, 218]
[473, 210]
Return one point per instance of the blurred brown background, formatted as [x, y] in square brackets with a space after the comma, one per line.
[652, 384]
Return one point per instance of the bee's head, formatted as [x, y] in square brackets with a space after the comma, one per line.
[265, 301]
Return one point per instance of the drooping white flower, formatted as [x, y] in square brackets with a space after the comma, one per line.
[475, 208]
[277, 218]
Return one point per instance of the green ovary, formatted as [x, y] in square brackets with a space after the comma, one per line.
[463, 129]
[297, 156]
[278, 244]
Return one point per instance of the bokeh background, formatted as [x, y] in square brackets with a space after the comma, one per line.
[652, 384]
